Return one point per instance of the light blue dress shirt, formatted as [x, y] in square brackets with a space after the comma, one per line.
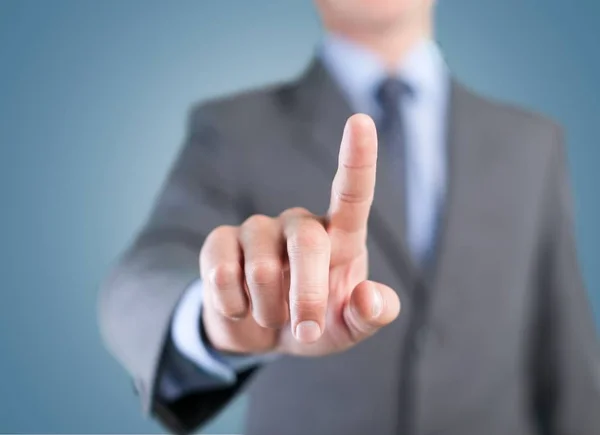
[358, 73]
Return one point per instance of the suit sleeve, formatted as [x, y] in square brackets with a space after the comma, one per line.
[189, 339]
[139, 298]
[567, 356]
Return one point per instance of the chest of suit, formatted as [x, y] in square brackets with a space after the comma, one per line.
[459, 347]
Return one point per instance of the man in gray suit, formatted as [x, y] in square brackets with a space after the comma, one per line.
[469, 225]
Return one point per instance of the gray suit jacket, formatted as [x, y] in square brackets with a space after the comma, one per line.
[496, 337]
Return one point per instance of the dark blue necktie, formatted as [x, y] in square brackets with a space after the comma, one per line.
[390, 130]
[412, 167]
[389, 96]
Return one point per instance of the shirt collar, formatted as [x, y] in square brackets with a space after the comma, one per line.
[358, 71]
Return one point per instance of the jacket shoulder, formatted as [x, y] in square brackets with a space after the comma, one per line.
[251, 108]
[508, 119]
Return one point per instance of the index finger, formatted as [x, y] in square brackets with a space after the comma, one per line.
[353, 186]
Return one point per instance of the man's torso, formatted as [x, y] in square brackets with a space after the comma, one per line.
[457, 359]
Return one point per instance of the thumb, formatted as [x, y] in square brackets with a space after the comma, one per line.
[371, 306]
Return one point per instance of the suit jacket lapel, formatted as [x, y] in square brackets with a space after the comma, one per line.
[463, 137]
[465, 164]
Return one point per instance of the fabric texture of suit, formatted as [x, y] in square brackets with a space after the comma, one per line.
[496, 337]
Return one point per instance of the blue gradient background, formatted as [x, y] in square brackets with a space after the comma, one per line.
[93, 98]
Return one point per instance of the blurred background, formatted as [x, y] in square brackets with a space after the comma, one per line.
[93, 101]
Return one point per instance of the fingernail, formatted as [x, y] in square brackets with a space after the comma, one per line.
[377, 306]
[308, 331]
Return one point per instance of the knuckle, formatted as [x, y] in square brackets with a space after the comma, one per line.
[359, 164]
[294, 211]
[264, 272]
[307, 304]
[351, 196]
[216, 236]
[309, 235]
[231, 312]
[223, 231]
[257, 221]
[225, 275]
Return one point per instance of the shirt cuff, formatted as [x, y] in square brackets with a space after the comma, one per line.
[187, 337]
